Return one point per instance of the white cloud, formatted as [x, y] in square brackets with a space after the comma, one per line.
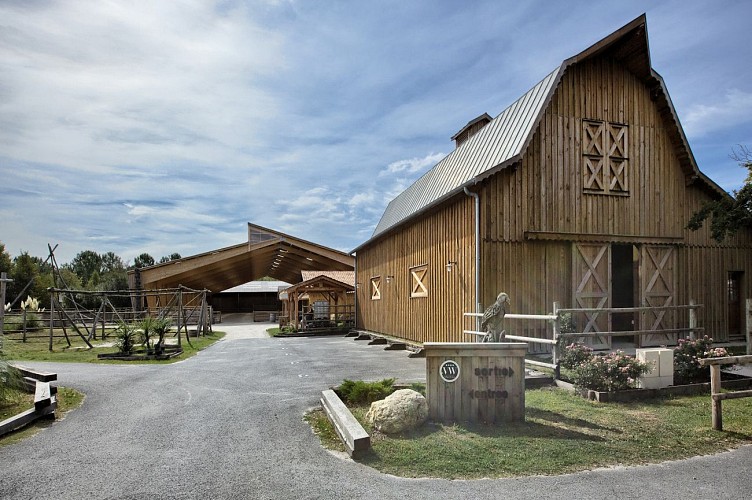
[734, 109]
[412, 165]
[133, 126]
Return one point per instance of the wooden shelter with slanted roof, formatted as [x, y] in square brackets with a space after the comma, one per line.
[323, 300]
[266, 253]
[578, 193]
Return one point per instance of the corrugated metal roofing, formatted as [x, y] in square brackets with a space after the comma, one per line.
[502, 139]
[258, 287]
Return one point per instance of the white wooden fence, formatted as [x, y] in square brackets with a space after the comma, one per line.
[590, 330]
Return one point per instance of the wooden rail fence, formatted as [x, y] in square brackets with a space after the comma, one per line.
[715, 385]
[590, 330]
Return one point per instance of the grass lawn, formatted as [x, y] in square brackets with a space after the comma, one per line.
[38, 349]
[562, 433]
[67, 400]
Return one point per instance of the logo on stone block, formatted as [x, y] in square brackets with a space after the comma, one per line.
[449, 371]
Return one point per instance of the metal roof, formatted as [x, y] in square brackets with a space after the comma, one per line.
[258, 287]
[499, 141]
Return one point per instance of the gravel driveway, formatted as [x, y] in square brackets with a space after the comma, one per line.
[228, 424]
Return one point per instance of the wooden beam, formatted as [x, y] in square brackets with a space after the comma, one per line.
[353, 435]
[726, 360]
[612, 238]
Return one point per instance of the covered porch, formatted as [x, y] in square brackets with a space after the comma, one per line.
[324, 300]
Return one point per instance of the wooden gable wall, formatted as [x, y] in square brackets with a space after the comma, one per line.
[532, 213]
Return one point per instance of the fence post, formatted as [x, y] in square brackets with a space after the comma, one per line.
[715, 388]
[52, 315]
[3, 280]
[555, 351]
[748, 325]
[180, 315]
[23, 323]
[692, 320]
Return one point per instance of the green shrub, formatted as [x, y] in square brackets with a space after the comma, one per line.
[613, 372]
[360, 392]
[12, 323]
[126, 337]
[687, 353]
[160, 328]
[146, 331]
[10, 379]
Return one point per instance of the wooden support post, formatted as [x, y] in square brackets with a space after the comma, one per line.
[205, 313]
[692, 320]
[52, 315]
[180, 315]
[61, 313]
[748, 325]
[715, 388]
[23, 323]
[555, 348]
[3, 280]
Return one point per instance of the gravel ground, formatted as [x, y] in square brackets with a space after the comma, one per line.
[227, 423]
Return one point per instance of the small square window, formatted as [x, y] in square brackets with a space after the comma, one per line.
[419, 281]
[376, 288]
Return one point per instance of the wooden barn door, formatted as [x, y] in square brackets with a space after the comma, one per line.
[657, 289]
[591, 270]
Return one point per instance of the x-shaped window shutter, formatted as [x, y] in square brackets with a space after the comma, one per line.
[605, 163]
[418, 278]
[376, 288]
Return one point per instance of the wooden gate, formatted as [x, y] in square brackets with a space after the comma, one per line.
[591, 272]
[658, 289]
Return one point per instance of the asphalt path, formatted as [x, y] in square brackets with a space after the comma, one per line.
[227, 423]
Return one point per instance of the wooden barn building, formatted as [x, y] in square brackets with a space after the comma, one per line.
[578, 193]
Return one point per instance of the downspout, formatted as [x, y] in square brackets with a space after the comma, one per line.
[355, 305]
[478, 306]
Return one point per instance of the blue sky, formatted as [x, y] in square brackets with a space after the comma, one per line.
[160, 127]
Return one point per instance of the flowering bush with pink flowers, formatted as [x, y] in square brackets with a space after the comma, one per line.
[574, 355]
[687, 353]
[611, 372]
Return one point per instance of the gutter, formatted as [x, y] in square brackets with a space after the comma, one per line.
[478, 306]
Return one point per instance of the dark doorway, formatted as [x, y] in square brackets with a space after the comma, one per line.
[623, 276]
[734, 288]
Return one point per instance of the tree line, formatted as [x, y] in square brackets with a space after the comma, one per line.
[88, 270]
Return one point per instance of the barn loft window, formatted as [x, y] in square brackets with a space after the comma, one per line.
[419, 283]
[605, 163]
[376, 288]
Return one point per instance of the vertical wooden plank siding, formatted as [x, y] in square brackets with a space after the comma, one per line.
[548, 188]
[445, 234]
[543, 194]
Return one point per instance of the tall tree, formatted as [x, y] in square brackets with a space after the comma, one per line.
[85, 264]
[24, 270]
[5, 262]
[143, 260]
[728, 214]
[171, 257]
[112, 263]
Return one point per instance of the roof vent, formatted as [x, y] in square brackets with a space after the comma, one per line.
[472, 128]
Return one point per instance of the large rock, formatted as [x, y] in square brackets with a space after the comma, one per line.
[403, 410]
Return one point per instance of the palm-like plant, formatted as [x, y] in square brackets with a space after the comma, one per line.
[146, 327]
[126, 337]
[160, 328]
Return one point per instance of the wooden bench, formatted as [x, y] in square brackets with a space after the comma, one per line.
[715, 385]
[353, 435]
